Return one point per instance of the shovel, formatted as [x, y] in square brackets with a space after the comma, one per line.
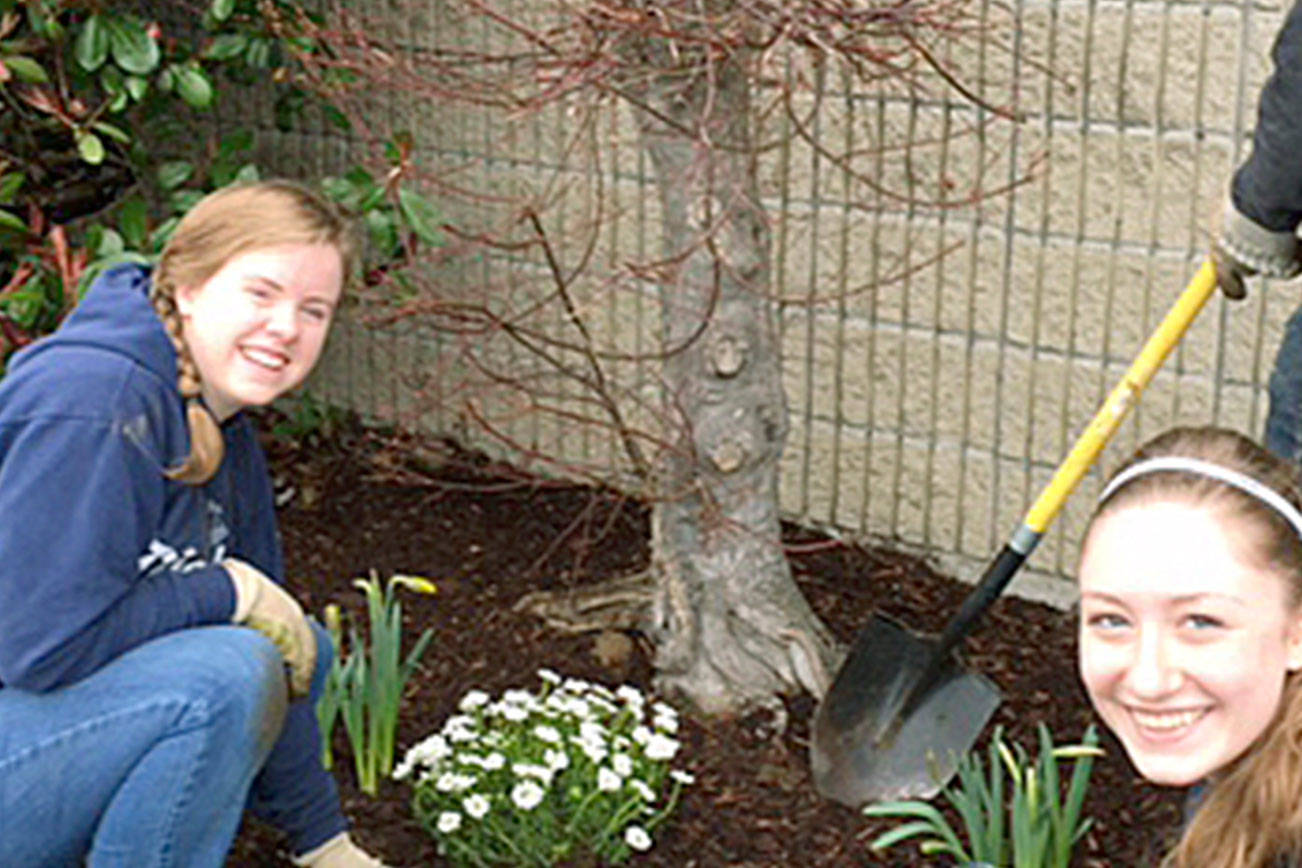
[901, 710]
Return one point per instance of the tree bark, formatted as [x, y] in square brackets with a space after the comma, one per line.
[731, 628]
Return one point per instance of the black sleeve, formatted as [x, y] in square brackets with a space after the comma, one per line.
[1268, 187]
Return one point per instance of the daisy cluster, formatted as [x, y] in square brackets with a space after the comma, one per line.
[540, 778]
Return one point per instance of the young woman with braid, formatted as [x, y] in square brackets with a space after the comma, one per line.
[155, 678]
[1191, 638]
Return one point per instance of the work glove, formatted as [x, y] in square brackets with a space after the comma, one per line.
[338, 852]
[1244, 247]
[265, 606]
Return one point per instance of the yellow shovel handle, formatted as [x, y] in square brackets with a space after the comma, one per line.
[1114, 410]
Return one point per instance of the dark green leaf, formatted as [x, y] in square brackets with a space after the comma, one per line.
[92, 44]
[90, 147]
[359, 177]
[110, 243]
[222, 9]
[384, 235]
[183, 200]
[336, 188]
[94, 235]
[258, 54]
[133, 219]
[111, 131]
[162, 233]
[336, 118]
[9, 186]
[421, 216]
[167, 79]
[226, 46]
[369, 198]
[25, 69]
[288, 109]
[235, 141]
[137, 86]
[174, 173]
[130, 45]
[112, 80]
[11, 221]
[194, 87]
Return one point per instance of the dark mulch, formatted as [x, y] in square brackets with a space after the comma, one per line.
[488, 535]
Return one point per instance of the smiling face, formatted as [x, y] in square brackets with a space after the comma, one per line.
[1184, 642]
[257, 326]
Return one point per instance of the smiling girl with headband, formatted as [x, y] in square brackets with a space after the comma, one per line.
[1191, 638]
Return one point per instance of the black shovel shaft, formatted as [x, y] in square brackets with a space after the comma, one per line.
[997, 576]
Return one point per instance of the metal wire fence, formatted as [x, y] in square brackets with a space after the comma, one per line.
[941, 352]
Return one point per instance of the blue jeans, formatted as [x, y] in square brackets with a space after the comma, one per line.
[147, 762]
[1284, 418]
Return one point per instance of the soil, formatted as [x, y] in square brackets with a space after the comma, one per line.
[362, 500]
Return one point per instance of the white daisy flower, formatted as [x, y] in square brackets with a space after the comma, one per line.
[527, 795]
[637, 838]
[622, 763]
[682, 777]
[549, 676]
[631, 696]
[449, 821]
[665, 723]
[575, 685]
[608, 781]
[475, 805]
[472, 700]
[547, 733]
[661, 747]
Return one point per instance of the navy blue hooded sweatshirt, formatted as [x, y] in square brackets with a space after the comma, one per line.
[100, 552]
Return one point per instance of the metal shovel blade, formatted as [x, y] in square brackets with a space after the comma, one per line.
[869, 746]
[901, 712]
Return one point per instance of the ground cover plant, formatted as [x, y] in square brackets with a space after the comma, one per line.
[572, 771]
[487, 535]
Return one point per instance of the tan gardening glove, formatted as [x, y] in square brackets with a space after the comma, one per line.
[265, 606]
[338, 852]
[1244, 248]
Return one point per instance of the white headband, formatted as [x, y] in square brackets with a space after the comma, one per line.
[1241, 481]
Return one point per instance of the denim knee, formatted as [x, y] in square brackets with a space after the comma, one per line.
[234, 679]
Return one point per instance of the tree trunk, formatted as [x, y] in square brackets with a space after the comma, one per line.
[732, 630]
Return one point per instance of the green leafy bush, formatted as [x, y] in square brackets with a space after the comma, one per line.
[97, 162]
[1041, 826]
[571, 774]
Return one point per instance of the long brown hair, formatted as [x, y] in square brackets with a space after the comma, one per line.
[1252, 815]
[224, 224]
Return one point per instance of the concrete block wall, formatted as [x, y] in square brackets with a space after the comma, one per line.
[941, 349]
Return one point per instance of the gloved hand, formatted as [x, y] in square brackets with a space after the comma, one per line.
[265, 606]
[338, 852]
[1243, 248]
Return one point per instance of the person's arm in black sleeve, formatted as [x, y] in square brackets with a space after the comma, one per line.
[1258, 233]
